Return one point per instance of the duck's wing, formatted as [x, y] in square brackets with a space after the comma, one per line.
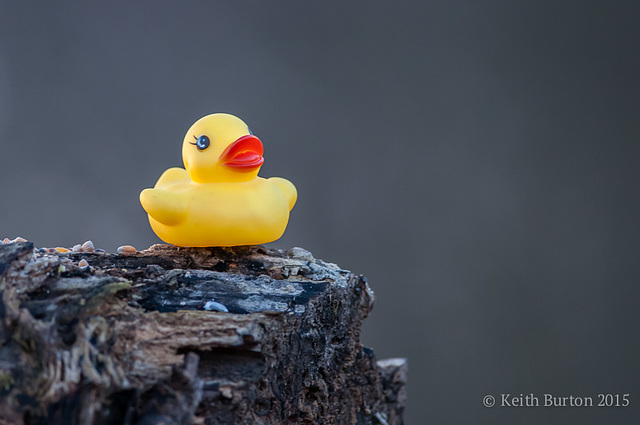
[166, 207]
[289, 190]
[172, 176]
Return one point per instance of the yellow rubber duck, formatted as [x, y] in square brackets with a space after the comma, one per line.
[218, 198]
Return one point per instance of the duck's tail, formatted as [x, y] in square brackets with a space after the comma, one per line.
[163, 206]
[289, 190]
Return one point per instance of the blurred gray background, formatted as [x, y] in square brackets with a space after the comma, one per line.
[478, 161]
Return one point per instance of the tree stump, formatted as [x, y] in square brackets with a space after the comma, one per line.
[171, 335]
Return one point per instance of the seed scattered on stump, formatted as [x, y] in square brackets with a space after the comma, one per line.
[126, 249]
[8, 241]
[87, 246]
[83, 263]
[215, 306]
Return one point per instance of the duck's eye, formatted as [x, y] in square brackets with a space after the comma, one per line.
[202, 142]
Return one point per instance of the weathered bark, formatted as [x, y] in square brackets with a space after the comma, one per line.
[144, 339]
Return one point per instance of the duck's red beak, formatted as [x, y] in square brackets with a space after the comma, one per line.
[245, 154]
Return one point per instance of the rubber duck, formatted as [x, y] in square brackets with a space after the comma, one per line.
[217, 199]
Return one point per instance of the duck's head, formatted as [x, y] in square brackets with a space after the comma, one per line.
[221, 148]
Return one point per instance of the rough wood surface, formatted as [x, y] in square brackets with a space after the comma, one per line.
[175, 335]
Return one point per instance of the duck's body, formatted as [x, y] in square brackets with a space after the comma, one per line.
[232, 206]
